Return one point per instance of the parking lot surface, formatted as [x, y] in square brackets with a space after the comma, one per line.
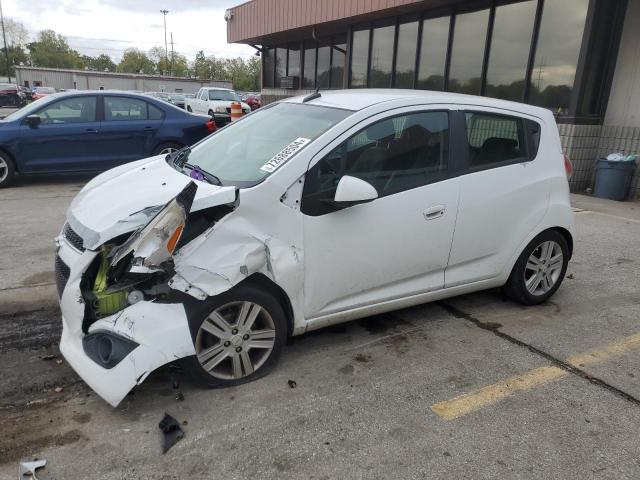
[471, 387]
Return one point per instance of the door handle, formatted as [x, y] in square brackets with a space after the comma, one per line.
[434, 212]
[92, 130]
[148, 127]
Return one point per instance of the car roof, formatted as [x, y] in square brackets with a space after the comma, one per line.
[218, 88]
[359, 99]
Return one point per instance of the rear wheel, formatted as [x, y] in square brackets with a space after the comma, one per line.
[167, 148]
[540, 269]
[189, 109]
[240, 339]
[211, 114]
[7, 170]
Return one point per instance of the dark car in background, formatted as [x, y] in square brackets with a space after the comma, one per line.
[253, 101]
[93, 131]
[11, 96]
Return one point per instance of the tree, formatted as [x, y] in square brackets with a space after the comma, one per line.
[16, 32]
[158, 57]
[52, 50]
[180, 66]
[100, 63]
[201, 66]
[136, 61]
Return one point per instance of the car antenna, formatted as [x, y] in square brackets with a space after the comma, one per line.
[312, 96]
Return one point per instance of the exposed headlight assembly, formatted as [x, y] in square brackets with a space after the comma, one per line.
[154, 244]
[221, 110]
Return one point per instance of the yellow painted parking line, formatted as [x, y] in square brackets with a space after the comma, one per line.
[477, 399]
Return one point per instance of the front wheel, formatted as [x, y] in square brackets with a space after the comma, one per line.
[240, 339]
[189, 109]
[7, 170]
[540, 269]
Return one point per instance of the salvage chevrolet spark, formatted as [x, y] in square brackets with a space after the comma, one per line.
[305, 213]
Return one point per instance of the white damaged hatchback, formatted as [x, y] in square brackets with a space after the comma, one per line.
[309, 212]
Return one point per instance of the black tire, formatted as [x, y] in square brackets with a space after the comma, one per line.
[7, 170]
[516, 287]
[164, 146]
[189, 109]
[240, 293]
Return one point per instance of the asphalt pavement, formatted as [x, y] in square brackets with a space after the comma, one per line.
[470, 387]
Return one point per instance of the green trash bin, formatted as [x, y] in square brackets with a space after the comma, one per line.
[613, 178]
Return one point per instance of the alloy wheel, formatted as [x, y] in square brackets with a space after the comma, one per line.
[4, 170]
[543, 268]
[167, 150]
[235, 340]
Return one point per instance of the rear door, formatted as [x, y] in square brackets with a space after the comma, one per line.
[65, 140]
[504, 192]
[396, 245]
[129, 129]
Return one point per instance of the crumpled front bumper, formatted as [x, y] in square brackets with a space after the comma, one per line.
[160, 330]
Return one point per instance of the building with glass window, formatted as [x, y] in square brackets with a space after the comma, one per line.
[579, 58]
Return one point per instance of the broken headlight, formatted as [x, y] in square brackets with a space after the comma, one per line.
[154, 244]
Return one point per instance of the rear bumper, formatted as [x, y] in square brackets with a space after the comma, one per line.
[160, 330]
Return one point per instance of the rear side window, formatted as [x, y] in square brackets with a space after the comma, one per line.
[155, 113]
[79, 109]
[494, 140]
[393, 155]
[123, 108]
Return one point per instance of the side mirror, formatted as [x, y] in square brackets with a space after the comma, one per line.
[352, 190]
[33, 120]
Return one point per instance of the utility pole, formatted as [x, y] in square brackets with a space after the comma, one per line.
[4, 38]
[166, 49]
[172, 70]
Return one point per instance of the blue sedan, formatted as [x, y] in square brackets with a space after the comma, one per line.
[93, 131]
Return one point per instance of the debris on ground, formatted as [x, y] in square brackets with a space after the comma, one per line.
[292, 383]
[172, 433]
[29, 467]
[570, 276]
[58, 389]
[59, 361]
[48, 357]
[180, 397]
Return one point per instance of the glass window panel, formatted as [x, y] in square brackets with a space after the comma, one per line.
[122, 108]
[70, 110]
[294, 61]
[381, 57]
[393, 155]
[281, 64]
[359, 57]
[494, 139]
[323, 66]
[268, 67]
[557, 54]
[433, 53]
[406, 54]
[467, 54]
[509, 53]
[338, 61]
[309, 72]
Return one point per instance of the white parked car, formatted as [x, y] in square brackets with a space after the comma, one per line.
[215, 102]
[341, 205]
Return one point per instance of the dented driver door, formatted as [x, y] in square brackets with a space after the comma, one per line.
[396, 245]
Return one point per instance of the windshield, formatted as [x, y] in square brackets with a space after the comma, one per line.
[7, 86]
[45, 90]
[178, 97]
[29, 109]
[245, 152]
[225, 95]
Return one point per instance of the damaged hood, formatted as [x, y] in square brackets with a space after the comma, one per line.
[127, 197]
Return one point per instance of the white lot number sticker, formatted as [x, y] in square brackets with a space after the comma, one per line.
[284, 155]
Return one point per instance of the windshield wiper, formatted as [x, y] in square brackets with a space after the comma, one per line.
[198, 173]
[179, 158]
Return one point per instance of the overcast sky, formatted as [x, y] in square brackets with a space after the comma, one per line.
[110, 26]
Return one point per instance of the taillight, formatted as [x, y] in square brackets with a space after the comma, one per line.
[568, 167]
[211, 126]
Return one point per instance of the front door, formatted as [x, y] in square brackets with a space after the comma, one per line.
[66, 138]
[396, 245]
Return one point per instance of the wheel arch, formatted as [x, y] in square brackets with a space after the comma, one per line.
[567, 236]
[262, 281]
[12, 158]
